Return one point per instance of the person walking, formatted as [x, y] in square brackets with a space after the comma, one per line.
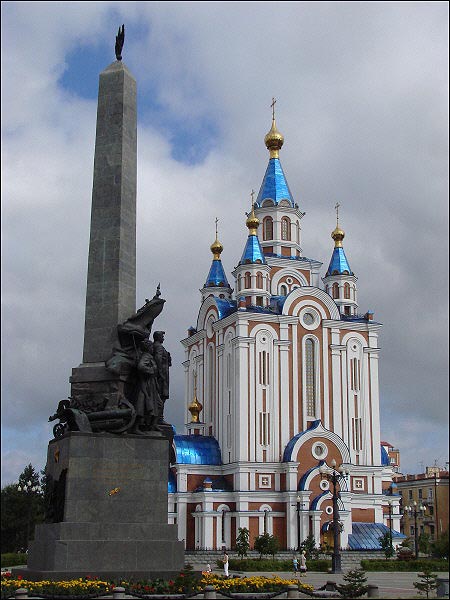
[303, 567]
[295, 565]
[225, 564]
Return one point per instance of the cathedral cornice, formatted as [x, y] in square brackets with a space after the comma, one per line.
[351, 325]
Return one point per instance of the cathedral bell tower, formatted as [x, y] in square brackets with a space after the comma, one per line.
[216, 283]
[252, 273]
[275, 208]
[339, 280]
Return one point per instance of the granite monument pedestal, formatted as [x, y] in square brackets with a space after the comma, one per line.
[111, 511]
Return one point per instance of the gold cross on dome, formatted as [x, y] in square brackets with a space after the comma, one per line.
[217, 220]
[252, 195]
[273, 108]
[337, 212]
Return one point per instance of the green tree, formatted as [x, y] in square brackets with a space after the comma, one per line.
[440, 547]
[424, 543]
[309, 546]
[243, 542]
[266, 544]
[274, 545]
[386, 545]
[427, 583]
[22, 507]
[355, 586]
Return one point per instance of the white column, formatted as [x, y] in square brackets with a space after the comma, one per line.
[297, 400]
[283, 405]
[326, 391]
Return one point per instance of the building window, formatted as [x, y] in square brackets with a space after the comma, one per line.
[283, 290]
[310, 377]
[285, 228]
[264, 368]
[268, 228]
[347, 291]
[259, 280]
[247, 281]
[264, 431]
[410, 494]
[355, 375]
[335, 290]
[430, 493]
[346, 310]
[357, 434]
[420, 493]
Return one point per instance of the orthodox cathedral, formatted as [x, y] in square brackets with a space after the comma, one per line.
[281, 380]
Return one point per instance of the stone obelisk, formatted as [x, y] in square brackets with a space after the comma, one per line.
[111, 279]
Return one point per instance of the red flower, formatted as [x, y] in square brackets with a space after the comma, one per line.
[181, 574]
[171, 582]
[19, 577]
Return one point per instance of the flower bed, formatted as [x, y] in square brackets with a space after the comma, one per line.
[185, 583]
[86, 588]
[255, 584]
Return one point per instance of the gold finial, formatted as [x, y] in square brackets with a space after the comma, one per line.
[195, 407]
[274, 139]
[338, 234]
[252, 220]
[216, 246]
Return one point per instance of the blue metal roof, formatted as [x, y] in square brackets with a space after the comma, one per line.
[225, 307]
[172, 483]
[287, 455]
[384, 457]
[339, 263]
[252, 251]
[216, 276]
[274, 185]
[366, 536]
[197, 450]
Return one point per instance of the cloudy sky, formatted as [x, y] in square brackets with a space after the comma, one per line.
[362, 97]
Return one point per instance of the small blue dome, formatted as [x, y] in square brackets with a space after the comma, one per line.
[197, 450]
[384, 457]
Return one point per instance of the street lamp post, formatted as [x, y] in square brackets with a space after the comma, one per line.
[335, 476]
[298, 500]
[415, 511]
[390, 525]
[29, 489]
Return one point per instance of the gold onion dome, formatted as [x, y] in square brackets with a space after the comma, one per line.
[195, 409]
[216, 249]
[274, 140]
[338, 235]
[252, 223]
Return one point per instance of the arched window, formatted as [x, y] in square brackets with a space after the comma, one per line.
[247, 281]
[335, 290]
[347, 291]
[310, 377]
[283, 290]
[268, 228]
[259, 280]
[285, 228]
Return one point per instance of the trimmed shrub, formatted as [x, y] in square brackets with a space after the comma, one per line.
[13, 559]
[407, 565]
